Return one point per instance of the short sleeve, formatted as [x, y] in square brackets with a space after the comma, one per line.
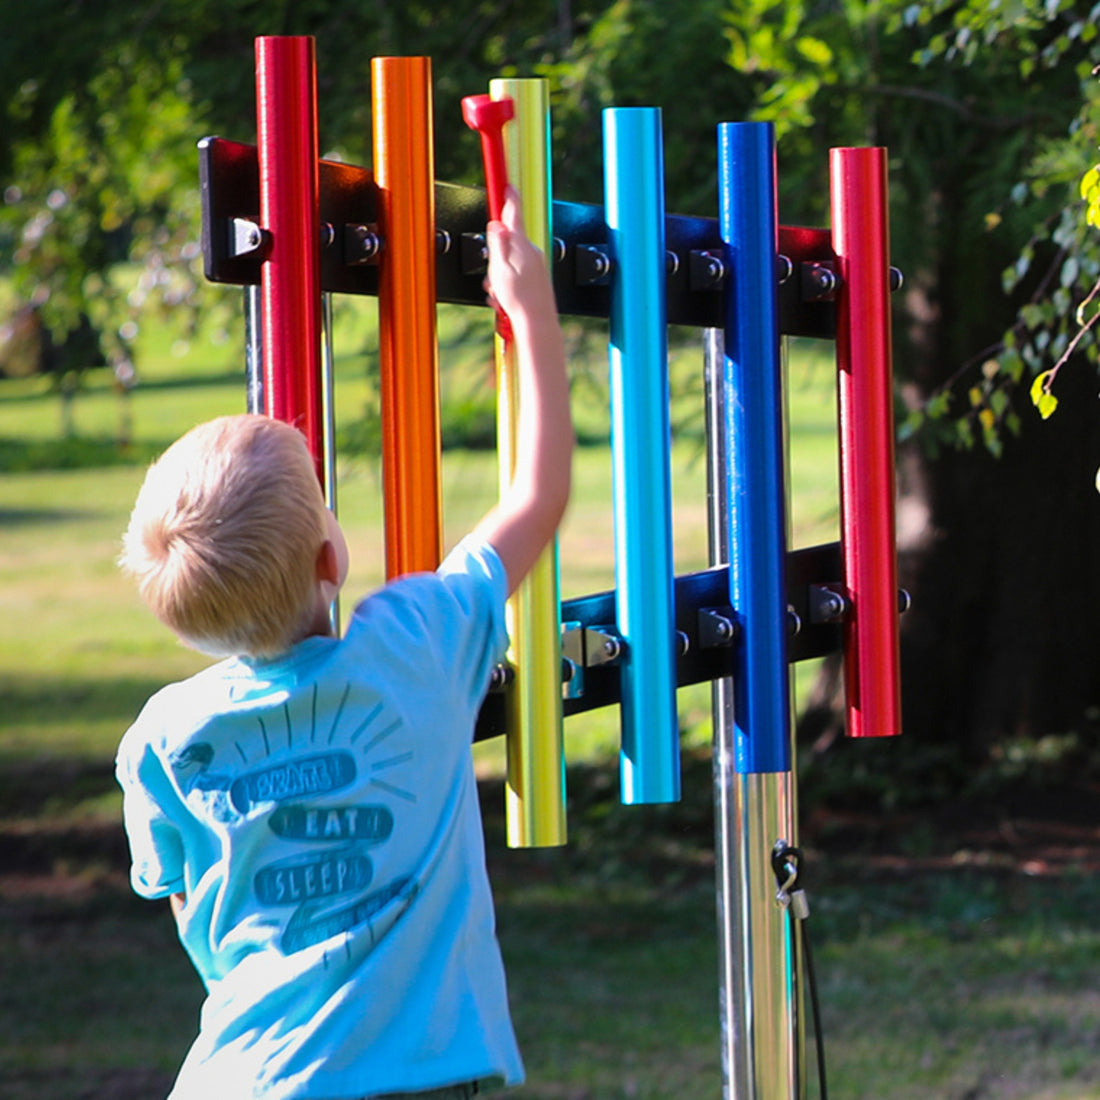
[475, 637]
[156, 847]
[449, 625]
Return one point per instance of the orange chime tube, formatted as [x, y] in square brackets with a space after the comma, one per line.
[865, 399]
[290, 281]
[404, 173]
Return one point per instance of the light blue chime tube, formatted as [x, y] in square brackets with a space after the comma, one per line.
[640, 442]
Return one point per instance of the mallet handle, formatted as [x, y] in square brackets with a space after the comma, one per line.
[487, 117]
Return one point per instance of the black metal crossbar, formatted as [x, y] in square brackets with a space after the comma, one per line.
[229, 177]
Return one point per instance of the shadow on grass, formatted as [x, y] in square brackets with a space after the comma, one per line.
[18, 517]
[98, 381]
[609, 943]
[37, 777]
[23, 456]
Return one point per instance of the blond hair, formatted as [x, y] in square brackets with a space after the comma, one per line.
[224, 537]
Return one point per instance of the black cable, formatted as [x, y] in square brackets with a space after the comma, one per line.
[811, 983]
[787, 867]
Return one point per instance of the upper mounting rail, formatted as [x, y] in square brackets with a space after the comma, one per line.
[234, 246]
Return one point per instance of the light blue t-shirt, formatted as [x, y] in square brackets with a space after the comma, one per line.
[320, 813]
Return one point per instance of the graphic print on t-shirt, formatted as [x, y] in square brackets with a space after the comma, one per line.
[291, 770]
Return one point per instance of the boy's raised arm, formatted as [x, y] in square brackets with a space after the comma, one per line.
[524, 521]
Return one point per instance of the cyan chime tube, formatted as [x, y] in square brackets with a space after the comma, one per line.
[756, 475]
[640, 443]
[535, 802]
[865, 397]
[290, 279]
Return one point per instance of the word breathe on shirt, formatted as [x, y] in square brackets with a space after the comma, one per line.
[306, 775]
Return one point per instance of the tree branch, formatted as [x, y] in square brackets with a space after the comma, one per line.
[960, 108]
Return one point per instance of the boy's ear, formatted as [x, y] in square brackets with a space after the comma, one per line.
[328, 563]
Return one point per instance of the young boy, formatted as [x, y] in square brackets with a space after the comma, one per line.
[308, 804]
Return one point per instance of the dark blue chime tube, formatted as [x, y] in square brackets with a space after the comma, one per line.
[640, 441]
[756, 476]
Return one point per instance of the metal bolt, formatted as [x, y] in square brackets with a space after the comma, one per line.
[824, 280]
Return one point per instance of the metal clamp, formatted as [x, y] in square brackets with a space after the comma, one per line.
[586, 647]
[246, 237]
[786, 866]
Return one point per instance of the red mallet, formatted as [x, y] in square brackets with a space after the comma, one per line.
[487, 116]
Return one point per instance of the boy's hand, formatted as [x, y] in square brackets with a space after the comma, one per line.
[518, 280]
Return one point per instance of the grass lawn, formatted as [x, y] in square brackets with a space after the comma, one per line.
[939, 980]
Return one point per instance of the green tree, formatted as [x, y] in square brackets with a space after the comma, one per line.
[990, 116]
[101, 118]
[102, 185]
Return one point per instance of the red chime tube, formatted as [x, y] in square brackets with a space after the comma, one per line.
[290, 281]
[404, 171]
[865, 397]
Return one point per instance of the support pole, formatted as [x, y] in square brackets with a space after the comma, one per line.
[253, 350]
[640, 446]
[866, 406]
[536, 762]
[408, 349]
[287, 149]
[730, 850]
[757, 800]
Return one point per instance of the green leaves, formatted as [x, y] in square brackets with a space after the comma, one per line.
[109, 180]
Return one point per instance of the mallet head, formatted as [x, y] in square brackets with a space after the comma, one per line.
[483, 113]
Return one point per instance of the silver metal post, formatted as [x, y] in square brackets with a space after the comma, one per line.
[730, 872]
[758, 990]
[328, 402]
[328, 426]
[254, 349]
